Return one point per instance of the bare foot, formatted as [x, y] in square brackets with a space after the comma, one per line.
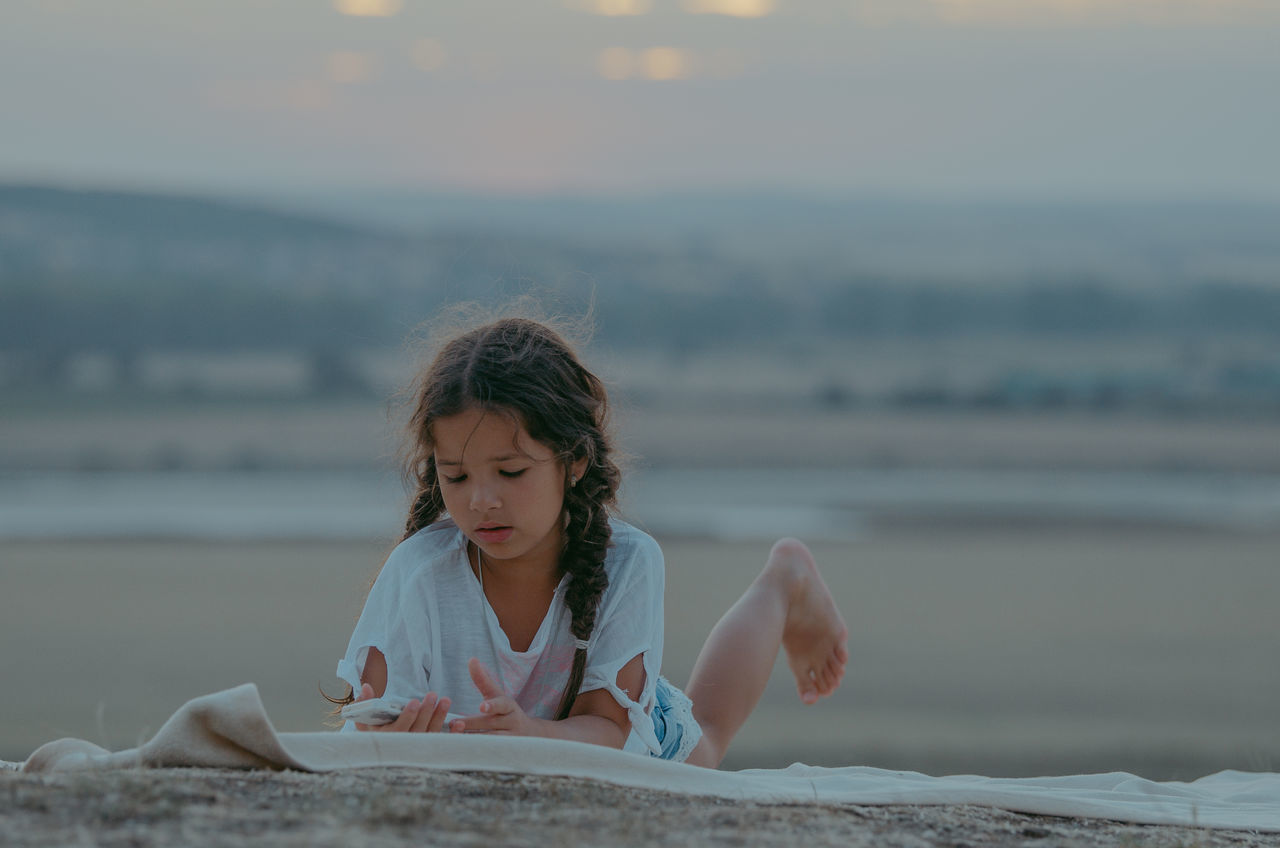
[815, 634]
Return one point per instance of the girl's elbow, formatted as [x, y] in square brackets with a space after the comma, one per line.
[618, 736]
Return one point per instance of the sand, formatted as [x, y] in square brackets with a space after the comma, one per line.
[1002, 651]
[393, 807]
[1007, 651]
[998, 650]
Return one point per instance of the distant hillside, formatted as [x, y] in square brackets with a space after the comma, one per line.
[103, 212]
[939, 241]
[118, 270]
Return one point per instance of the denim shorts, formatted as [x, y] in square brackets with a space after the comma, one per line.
[673, 723]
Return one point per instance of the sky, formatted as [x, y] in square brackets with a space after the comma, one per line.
[1058, 98]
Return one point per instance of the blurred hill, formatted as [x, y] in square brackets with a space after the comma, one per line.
[956, 243]
[328, 280]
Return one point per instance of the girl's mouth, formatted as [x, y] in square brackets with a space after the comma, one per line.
[494, 535]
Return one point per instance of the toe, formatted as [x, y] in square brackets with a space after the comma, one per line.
[834, 674]
[828, 682]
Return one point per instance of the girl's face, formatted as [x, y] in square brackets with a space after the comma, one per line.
[504, 490]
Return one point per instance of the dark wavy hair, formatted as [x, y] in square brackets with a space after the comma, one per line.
[523, 368]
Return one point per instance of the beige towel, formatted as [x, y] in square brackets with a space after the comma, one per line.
[230, 729]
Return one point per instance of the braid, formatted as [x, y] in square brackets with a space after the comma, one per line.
[587, 535]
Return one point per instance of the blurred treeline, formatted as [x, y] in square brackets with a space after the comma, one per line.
[117, 277]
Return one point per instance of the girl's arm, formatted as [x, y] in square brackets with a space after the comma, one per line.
[375, 673]
[596, 717]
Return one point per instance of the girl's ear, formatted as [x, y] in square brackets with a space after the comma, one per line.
[577, 469]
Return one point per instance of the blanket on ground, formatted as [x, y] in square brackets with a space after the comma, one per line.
[230, 729]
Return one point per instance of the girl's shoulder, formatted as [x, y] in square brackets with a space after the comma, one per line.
[631, 548]
[426, 549]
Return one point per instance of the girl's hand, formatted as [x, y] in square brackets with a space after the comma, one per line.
[424, 716]
[499, 712]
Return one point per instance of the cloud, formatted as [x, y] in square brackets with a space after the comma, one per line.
[351, 67]
[368, 8]
[612, 8]
[731, 8]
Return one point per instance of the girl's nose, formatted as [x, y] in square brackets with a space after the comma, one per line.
[484, 497]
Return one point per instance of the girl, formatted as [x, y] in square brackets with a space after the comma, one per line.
[515, 598]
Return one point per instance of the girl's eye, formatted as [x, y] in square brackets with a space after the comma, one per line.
[454, 479]
[513, 473]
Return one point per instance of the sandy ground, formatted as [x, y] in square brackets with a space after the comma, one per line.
[394, 807]
[993, 650]
[996, 651]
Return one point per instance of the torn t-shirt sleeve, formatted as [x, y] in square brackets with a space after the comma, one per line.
[630, 624]
[395, 620]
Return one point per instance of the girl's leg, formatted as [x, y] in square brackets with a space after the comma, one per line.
[788, 606]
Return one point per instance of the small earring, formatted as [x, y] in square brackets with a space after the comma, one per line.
[573, 480]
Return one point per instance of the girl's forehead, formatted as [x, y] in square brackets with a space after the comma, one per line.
[484, 435]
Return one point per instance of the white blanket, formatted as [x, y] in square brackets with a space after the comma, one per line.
[230, 729]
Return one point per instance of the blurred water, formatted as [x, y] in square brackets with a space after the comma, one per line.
[727, 504]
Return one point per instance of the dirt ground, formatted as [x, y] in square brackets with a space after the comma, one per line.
[393, 807]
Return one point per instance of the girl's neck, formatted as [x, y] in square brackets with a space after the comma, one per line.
[514, 574]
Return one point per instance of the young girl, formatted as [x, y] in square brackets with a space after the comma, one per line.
[516, 599]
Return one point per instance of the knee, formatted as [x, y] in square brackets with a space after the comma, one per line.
[706, 754]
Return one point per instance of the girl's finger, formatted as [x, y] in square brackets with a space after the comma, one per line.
[406, 719]
[438, 716]
[471, 724]
[483, 680]
[498, 706]
[425, 712]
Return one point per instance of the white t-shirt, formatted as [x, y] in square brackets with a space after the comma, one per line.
[427, 614]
